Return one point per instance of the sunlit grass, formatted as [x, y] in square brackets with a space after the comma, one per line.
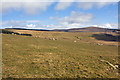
[30, 57]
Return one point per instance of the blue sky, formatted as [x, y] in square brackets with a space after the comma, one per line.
[59, 15]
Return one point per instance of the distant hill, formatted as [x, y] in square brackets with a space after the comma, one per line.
[86, 29]
[28, 29]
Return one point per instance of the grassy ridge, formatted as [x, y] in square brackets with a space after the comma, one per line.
[31, 57]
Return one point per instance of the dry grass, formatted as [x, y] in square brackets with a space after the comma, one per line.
[32, 57]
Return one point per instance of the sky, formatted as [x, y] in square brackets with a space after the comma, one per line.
[59, 14]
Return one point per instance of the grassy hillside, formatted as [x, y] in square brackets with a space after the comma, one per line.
[71, 55]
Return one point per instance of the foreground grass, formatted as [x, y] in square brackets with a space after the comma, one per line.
[29, 57]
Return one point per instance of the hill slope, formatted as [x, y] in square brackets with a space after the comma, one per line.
[86, 29]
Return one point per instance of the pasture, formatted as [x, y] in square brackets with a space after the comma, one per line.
[71, 55]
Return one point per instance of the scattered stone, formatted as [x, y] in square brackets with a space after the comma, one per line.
[53, 39]
[113, 59]
[50, 53]
[74, 41]
[109, 63]
[99, 44]
[12, 33]
[107, 69]
[116, 66]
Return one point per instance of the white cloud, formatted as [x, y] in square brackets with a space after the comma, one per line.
[75, 17]
[89, 5]
[61, 25]
[75, 20]
[31, 25]
[34, 6]
[65, 25]
[79, 20]
[19, 24]
[78, 17]
[14, 23]
[59, 0]
[29, 7]
[107, 25]
[97, 0]
[61, 5]
[33, 21]
[84, 4]
[28, 0]
[36, 25]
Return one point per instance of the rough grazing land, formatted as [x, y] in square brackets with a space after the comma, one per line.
[71, 55]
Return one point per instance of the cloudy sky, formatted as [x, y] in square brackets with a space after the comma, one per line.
[58, 14]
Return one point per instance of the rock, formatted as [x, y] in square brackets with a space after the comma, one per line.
[107, 69]
[99, 44]
[53, 39]
[50, 53]
[113, 59]
[116, 66]
[12, 33]
[74, 41]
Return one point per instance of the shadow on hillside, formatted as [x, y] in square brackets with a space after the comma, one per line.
[105, 37]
